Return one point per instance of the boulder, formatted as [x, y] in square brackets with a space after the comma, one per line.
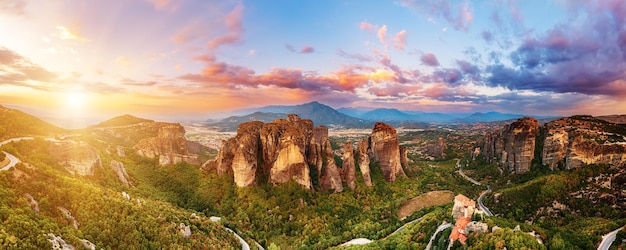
[364, 161]
[348, 167]
[386, 150]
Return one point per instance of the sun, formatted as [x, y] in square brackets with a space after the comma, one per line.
[75, 100]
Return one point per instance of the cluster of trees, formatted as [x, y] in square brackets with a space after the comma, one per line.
[105, 217]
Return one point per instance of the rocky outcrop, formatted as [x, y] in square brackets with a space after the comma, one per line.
[577, 141]
[120, 170]
[33, 203]
[58, 242]
[77, 157]
[364, 161]
[438, 149]
[404, 157]
[348, 167]
[169, 146]
[68, 216]
[513, 147]
[245, 154]
[289, 149]
[330, 179]
[284, 145]
[386, 150]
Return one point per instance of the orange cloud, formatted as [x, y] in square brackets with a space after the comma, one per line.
[67, 34]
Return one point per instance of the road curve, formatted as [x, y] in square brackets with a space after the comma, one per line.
[482, 195]
[12, 161]
[480, 202]
[607, 239]
[441, 227]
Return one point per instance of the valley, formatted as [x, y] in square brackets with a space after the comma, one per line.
[377, 188]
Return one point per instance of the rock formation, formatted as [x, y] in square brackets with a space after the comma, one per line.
[289, 149]
[77, 157]
[330, 178]
[404, 157]
[577, 141]
[170, 146]
[348, 167]
[386, 150]
[513, 147]
[438, 149]
[119, 169]
[364, 161]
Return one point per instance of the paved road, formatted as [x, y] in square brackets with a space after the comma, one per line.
[244, 244]
[480, 202]
[482, 195]
[607, 239]
[12, 161]
[442, 227]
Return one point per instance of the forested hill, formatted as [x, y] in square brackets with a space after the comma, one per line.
[15, 123]
[122, 120]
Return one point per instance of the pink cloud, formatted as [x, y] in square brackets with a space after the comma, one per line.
[307, 50]
[382, 33]
[366, 26]
[234, 25]
[399, 41]
[430, 59]
[165, 4]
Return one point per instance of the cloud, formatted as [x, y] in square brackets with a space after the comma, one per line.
[459, 15]
[13, 7]
[123, 61]
[366, 26]
[382, 33]
[19, 71]
[355, 56]
[307, 50]
[429, 59]
[304, 50]
[399, 41]
[587, 57]
[131, 82]
[487, 36]
[234, 26]
[171, 5]
[67, 34]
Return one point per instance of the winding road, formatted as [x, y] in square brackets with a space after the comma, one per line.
[12, 159]
[607, 239]
[444, 225]
[482, 195]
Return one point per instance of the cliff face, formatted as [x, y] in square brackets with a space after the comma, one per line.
[567, 143]
[348, 167]
[364, 161]
[170, 146]
[577, 141]
[77, 157]
[513, 147]
[288, 149]
[386, 150]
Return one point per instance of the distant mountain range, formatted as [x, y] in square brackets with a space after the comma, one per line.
[359, 118]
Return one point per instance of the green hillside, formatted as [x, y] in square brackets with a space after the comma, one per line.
[15, 123]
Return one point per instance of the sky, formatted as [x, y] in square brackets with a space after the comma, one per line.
[186, 59]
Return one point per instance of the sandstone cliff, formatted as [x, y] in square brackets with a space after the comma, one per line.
[170, 146]
[564, 143]
[513, 147]
[364, 161]
[120, 170]
[77, 157]
[348, 167]
[386, 150]
[581, 140]
[289, 149]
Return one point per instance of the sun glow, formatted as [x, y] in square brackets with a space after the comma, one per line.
[75, 100]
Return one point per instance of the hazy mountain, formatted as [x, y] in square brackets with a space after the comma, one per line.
[488, 117]
[17, 123]
[384, 114]
[358, 113]
[315, 111]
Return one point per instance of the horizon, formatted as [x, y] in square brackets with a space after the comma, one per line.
[175, 60]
